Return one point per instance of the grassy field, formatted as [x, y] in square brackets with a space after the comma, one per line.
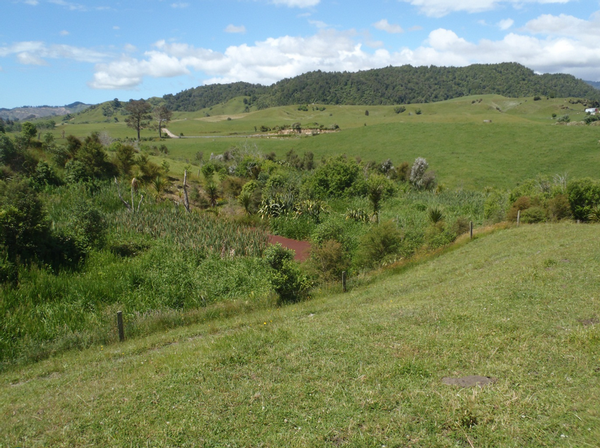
[521, 141]
[361, 369]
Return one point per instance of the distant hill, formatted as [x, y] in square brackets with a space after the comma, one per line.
[390, 85]
[594, 84]
[30, 112]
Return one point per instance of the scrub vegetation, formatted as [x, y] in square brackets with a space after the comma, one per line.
[232, 341]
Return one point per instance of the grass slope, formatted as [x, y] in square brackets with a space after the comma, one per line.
[362, 369]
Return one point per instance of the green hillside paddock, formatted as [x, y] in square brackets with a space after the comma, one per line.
[361, 369]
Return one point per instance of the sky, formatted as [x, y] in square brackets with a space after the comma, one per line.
[55, 52]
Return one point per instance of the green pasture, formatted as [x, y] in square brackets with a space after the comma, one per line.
[361, 369]
[522, 140]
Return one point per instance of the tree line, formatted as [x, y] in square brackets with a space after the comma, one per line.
[389, 85]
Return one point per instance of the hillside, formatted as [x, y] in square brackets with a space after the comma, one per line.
[360, 369]
[30, 112]
[390, 85]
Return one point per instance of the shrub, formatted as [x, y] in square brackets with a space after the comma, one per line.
[329, 260]
[438, 235]
[494, 208]
[583, 195]
[290, 284]
[417, 172]
[564, 119]
[379, 243]
[522, 203]
[461, 225]
[533, 215]
[399, 109]
[559, 208]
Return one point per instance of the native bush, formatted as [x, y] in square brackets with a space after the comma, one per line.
[583, 195]
[559, 208]
[534, 214]
[381, 243]
[494, 209]
[288, 281]
[520, 204]
[24, 227]
[328, 260]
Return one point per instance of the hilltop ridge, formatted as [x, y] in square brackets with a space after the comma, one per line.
[387, 86]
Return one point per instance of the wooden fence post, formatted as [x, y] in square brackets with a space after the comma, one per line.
[471, 229]
[518, 217]
[120, 325]
[344, 281]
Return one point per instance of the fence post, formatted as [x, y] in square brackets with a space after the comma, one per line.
[471, 229]
[120, 325]
[518, 217]
[344, 281]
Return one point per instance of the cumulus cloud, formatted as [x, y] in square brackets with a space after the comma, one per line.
[565, 25]
[561, 49]
[64, 33]
[296, 3]
[384, 25]
[440, 8]
[235, 29]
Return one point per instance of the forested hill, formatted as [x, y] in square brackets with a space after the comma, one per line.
[390, 85]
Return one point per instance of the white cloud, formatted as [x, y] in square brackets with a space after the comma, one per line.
[318, 24]
[35, 53]
[27, 58]
[31, 2]
[129, 48]
[565, 47]
[68, 5]
[565, 25]
[128, 73]
[64, 33]
[179, 5]
[439, 8]
[296, 3]
[235, 29]
[384, 25]
[505, 24]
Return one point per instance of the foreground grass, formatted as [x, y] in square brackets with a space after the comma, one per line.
[360, 369]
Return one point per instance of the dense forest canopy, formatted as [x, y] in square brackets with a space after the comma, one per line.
[390, 85]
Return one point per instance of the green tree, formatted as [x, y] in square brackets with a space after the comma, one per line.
[93, 156]
[139, 115]
[24, 227]
[28, 131]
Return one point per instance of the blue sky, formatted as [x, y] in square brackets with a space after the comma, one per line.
[54, 52]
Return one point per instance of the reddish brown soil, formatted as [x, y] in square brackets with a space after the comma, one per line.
[302, 248]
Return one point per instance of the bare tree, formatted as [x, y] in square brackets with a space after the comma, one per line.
[162, 115]
[139, 115]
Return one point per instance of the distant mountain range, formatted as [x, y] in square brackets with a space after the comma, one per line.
[390, 85]
[30, 112]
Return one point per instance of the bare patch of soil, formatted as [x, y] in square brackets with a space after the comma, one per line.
[469, 381]
[302, 248]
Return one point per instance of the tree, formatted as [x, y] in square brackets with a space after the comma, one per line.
[28, 131]
[162, 115]
[139, 115]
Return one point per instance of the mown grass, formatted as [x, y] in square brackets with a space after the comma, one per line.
[359, 369]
